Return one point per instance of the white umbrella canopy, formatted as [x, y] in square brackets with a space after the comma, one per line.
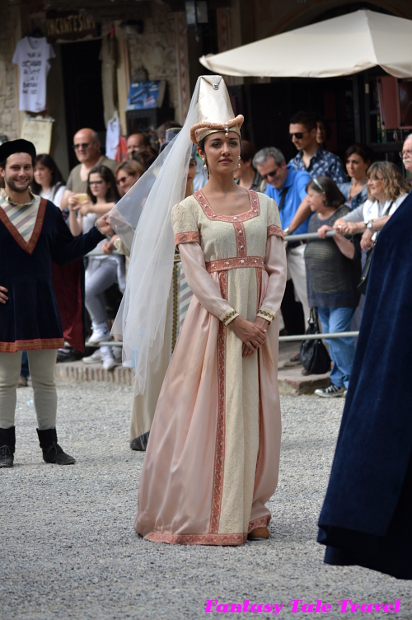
[340, 46]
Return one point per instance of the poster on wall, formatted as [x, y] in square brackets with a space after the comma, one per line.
[146, 95]
[39, 132]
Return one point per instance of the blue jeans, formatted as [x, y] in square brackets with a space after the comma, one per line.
[342, 350]
[24, 372]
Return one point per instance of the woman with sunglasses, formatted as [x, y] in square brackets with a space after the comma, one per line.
[333, 271]
[102, 271]
[387, 189]
[127, 173]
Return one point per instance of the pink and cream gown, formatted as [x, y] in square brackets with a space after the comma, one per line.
[213, 455]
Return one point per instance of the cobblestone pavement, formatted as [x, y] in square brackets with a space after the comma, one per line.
[69, 549]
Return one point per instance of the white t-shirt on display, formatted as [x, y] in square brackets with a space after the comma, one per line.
[33, 57]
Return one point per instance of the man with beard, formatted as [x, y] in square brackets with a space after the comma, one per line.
[33, 234]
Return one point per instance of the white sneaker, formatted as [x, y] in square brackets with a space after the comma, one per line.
[109, 363]
[99, 335]
[117, 354]
[96, 358]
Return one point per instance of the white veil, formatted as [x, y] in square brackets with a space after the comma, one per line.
[142, 219]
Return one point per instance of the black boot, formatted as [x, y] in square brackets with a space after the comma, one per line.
[52, 452]
[140, 443]
[7, 445]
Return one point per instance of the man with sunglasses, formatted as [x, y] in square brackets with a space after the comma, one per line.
[287, 187]
[86, 145]
[312, 157]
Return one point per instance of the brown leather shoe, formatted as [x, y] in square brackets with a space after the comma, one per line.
[258, 533]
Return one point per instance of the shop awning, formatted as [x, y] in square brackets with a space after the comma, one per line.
[340, 46]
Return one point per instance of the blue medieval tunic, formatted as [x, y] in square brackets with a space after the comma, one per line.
[366, 518]
[31, 271]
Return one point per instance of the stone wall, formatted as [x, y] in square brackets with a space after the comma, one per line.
[155, 50]
[9, 117]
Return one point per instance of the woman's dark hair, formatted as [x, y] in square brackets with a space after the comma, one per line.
[48, 162]
[145, 159]
[363, 150]
[334, 197]
[247, 150]
[108, 176]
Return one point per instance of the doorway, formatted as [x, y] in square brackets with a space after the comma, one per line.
[83, 93]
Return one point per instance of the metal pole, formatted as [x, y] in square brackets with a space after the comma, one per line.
[318, 336]
[330, 233]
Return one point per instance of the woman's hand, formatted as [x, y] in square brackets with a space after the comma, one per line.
[86, 207]
[262, 323]
[251, 334]
[3, 295]
[104, 226]
[323, 230]
[366, 241]
[107, 246]
[73, 202]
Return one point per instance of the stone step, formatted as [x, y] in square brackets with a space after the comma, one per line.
[291, 380]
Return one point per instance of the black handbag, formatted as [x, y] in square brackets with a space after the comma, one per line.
[313, 354]
[365, 271]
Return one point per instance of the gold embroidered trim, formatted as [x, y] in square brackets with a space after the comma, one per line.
[254, 210]
[235, 263]
[31, 345]
[187, 237]
[275, 230]
[229, 317]
[264, 314]
[219, 464]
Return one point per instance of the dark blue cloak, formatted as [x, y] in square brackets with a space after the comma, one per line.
[366, 518]
[31, 318]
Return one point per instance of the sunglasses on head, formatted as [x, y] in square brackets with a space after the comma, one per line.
[316, 182]
[298, 134]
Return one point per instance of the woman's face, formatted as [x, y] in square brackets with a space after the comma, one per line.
[376, 188]
[221, 152]
[98, 186]
[42, 175]
[191, 172]
[316, 200]
[356, 167]
[126, 180]
[320, 133]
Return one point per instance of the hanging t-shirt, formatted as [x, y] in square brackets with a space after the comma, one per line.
[33, 56]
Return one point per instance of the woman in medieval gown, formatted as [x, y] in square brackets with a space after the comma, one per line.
[213, 454]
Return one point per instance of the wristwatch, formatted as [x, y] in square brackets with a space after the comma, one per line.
[370, 225]
[286, 231]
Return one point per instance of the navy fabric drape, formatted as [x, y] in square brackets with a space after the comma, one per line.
[369, 497]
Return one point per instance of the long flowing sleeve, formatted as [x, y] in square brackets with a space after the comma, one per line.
[276, 266]
[202, 285]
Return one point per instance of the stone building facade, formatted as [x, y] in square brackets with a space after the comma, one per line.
[164, 47]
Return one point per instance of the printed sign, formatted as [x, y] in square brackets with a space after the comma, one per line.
[146, 95]
[70, 26]
[38, 132]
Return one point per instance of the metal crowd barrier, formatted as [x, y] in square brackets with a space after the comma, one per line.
[295, 338]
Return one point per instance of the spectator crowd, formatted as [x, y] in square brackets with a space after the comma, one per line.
[315, 193]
